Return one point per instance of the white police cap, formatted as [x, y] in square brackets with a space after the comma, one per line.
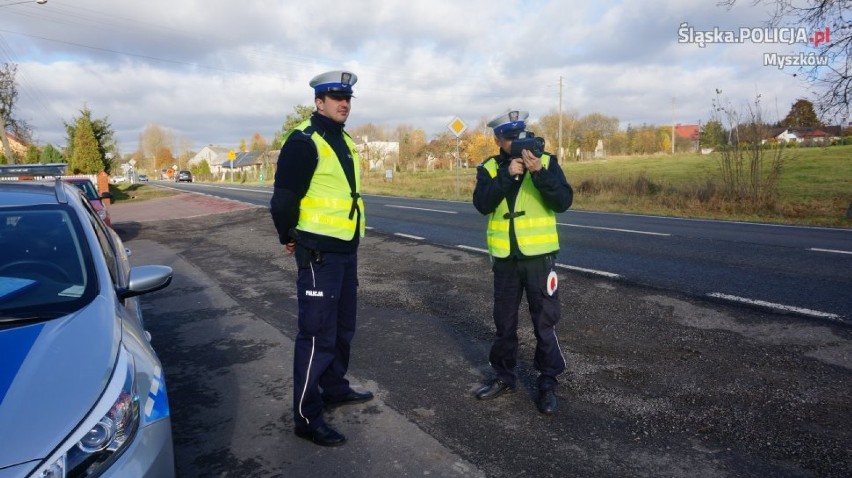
[509, 124]
[334, 82]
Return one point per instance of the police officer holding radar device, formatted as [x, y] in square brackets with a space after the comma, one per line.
[521, 189]
[319, 215]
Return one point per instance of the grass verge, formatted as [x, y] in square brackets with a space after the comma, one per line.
[127, 192]
[815, 187]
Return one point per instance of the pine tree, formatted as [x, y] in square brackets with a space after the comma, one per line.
[50, 155]
[86, 158]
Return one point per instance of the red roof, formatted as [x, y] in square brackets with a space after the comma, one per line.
[688, 131]
[815, 133]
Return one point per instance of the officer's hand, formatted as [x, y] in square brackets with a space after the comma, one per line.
[290, 248]
[530, 161]
[516, 167]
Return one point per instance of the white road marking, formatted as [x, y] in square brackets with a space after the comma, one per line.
[670, 218]
[408, 236]
[264, 191]
[782, 307]
[834, 251]
[474, 249]
[611, 275]
[421, 209]
[614, 229]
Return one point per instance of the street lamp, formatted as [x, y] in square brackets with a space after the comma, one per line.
[40, 2]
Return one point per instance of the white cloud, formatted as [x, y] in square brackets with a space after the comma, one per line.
[219, 71]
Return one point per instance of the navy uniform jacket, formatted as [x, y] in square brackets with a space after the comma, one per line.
[489, 192]
[296, 165]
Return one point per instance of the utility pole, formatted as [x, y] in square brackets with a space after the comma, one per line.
[698, 147]
[559, 153]
[673, 125]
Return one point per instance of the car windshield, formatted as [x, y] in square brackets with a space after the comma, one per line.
[46, 270]
[87, 188]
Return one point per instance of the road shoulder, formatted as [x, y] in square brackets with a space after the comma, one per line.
[229, 376]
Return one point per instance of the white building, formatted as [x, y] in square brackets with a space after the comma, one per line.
[379, 155]
[214, 155]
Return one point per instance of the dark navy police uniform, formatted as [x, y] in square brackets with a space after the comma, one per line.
[327, 266]
[327, 277]
[517, 273]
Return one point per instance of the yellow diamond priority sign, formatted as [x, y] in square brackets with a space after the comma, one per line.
[457, 126]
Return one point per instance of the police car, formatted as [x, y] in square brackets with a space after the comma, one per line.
[82, 391]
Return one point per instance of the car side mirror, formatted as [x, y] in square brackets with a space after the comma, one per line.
[144, 280]
[106, 195]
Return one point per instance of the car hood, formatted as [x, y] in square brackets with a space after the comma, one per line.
[51, 375]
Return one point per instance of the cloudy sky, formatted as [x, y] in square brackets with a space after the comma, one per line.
[217, 71]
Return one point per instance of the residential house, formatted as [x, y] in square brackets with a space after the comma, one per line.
[380, 155]
[18, 147]
[835, 132]
[802, 135]
[249, 161]
[689, 132]
[214, 155]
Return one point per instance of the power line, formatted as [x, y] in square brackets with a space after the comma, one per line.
[118, 52]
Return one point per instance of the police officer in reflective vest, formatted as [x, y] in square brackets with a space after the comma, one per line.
[521, 194]
[319, 216]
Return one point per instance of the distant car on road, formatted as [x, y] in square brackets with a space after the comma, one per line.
[143, 178]
[82, 391]
[117, 179]
[91, 192]
[184, 176]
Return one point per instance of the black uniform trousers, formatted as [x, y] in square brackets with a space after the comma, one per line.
[513, 277]
[327, 287]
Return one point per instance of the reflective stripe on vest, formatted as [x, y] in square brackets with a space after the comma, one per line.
[535, 224]
[329, 206]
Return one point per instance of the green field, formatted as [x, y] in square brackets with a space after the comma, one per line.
[815, 187]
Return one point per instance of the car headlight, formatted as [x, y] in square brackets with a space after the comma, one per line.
[105, 433]
[103, 214]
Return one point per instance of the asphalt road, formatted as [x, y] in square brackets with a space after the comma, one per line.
[800, 270]
[659, 383]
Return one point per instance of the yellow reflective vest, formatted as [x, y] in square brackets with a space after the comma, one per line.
[534, 222]
[330, 207]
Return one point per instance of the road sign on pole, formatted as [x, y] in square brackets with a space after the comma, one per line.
[457, 126]
[231, 157]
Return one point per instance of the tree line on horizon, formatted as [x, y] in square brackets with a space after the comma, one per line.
[92, 146]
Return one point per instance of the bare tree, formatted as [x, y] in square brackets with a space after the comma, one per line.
[833, 82]
[412, 142]
[8, 96]
[594, 127]
[185, 148]
[152, 141]
[750, 171]
[259, 143]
